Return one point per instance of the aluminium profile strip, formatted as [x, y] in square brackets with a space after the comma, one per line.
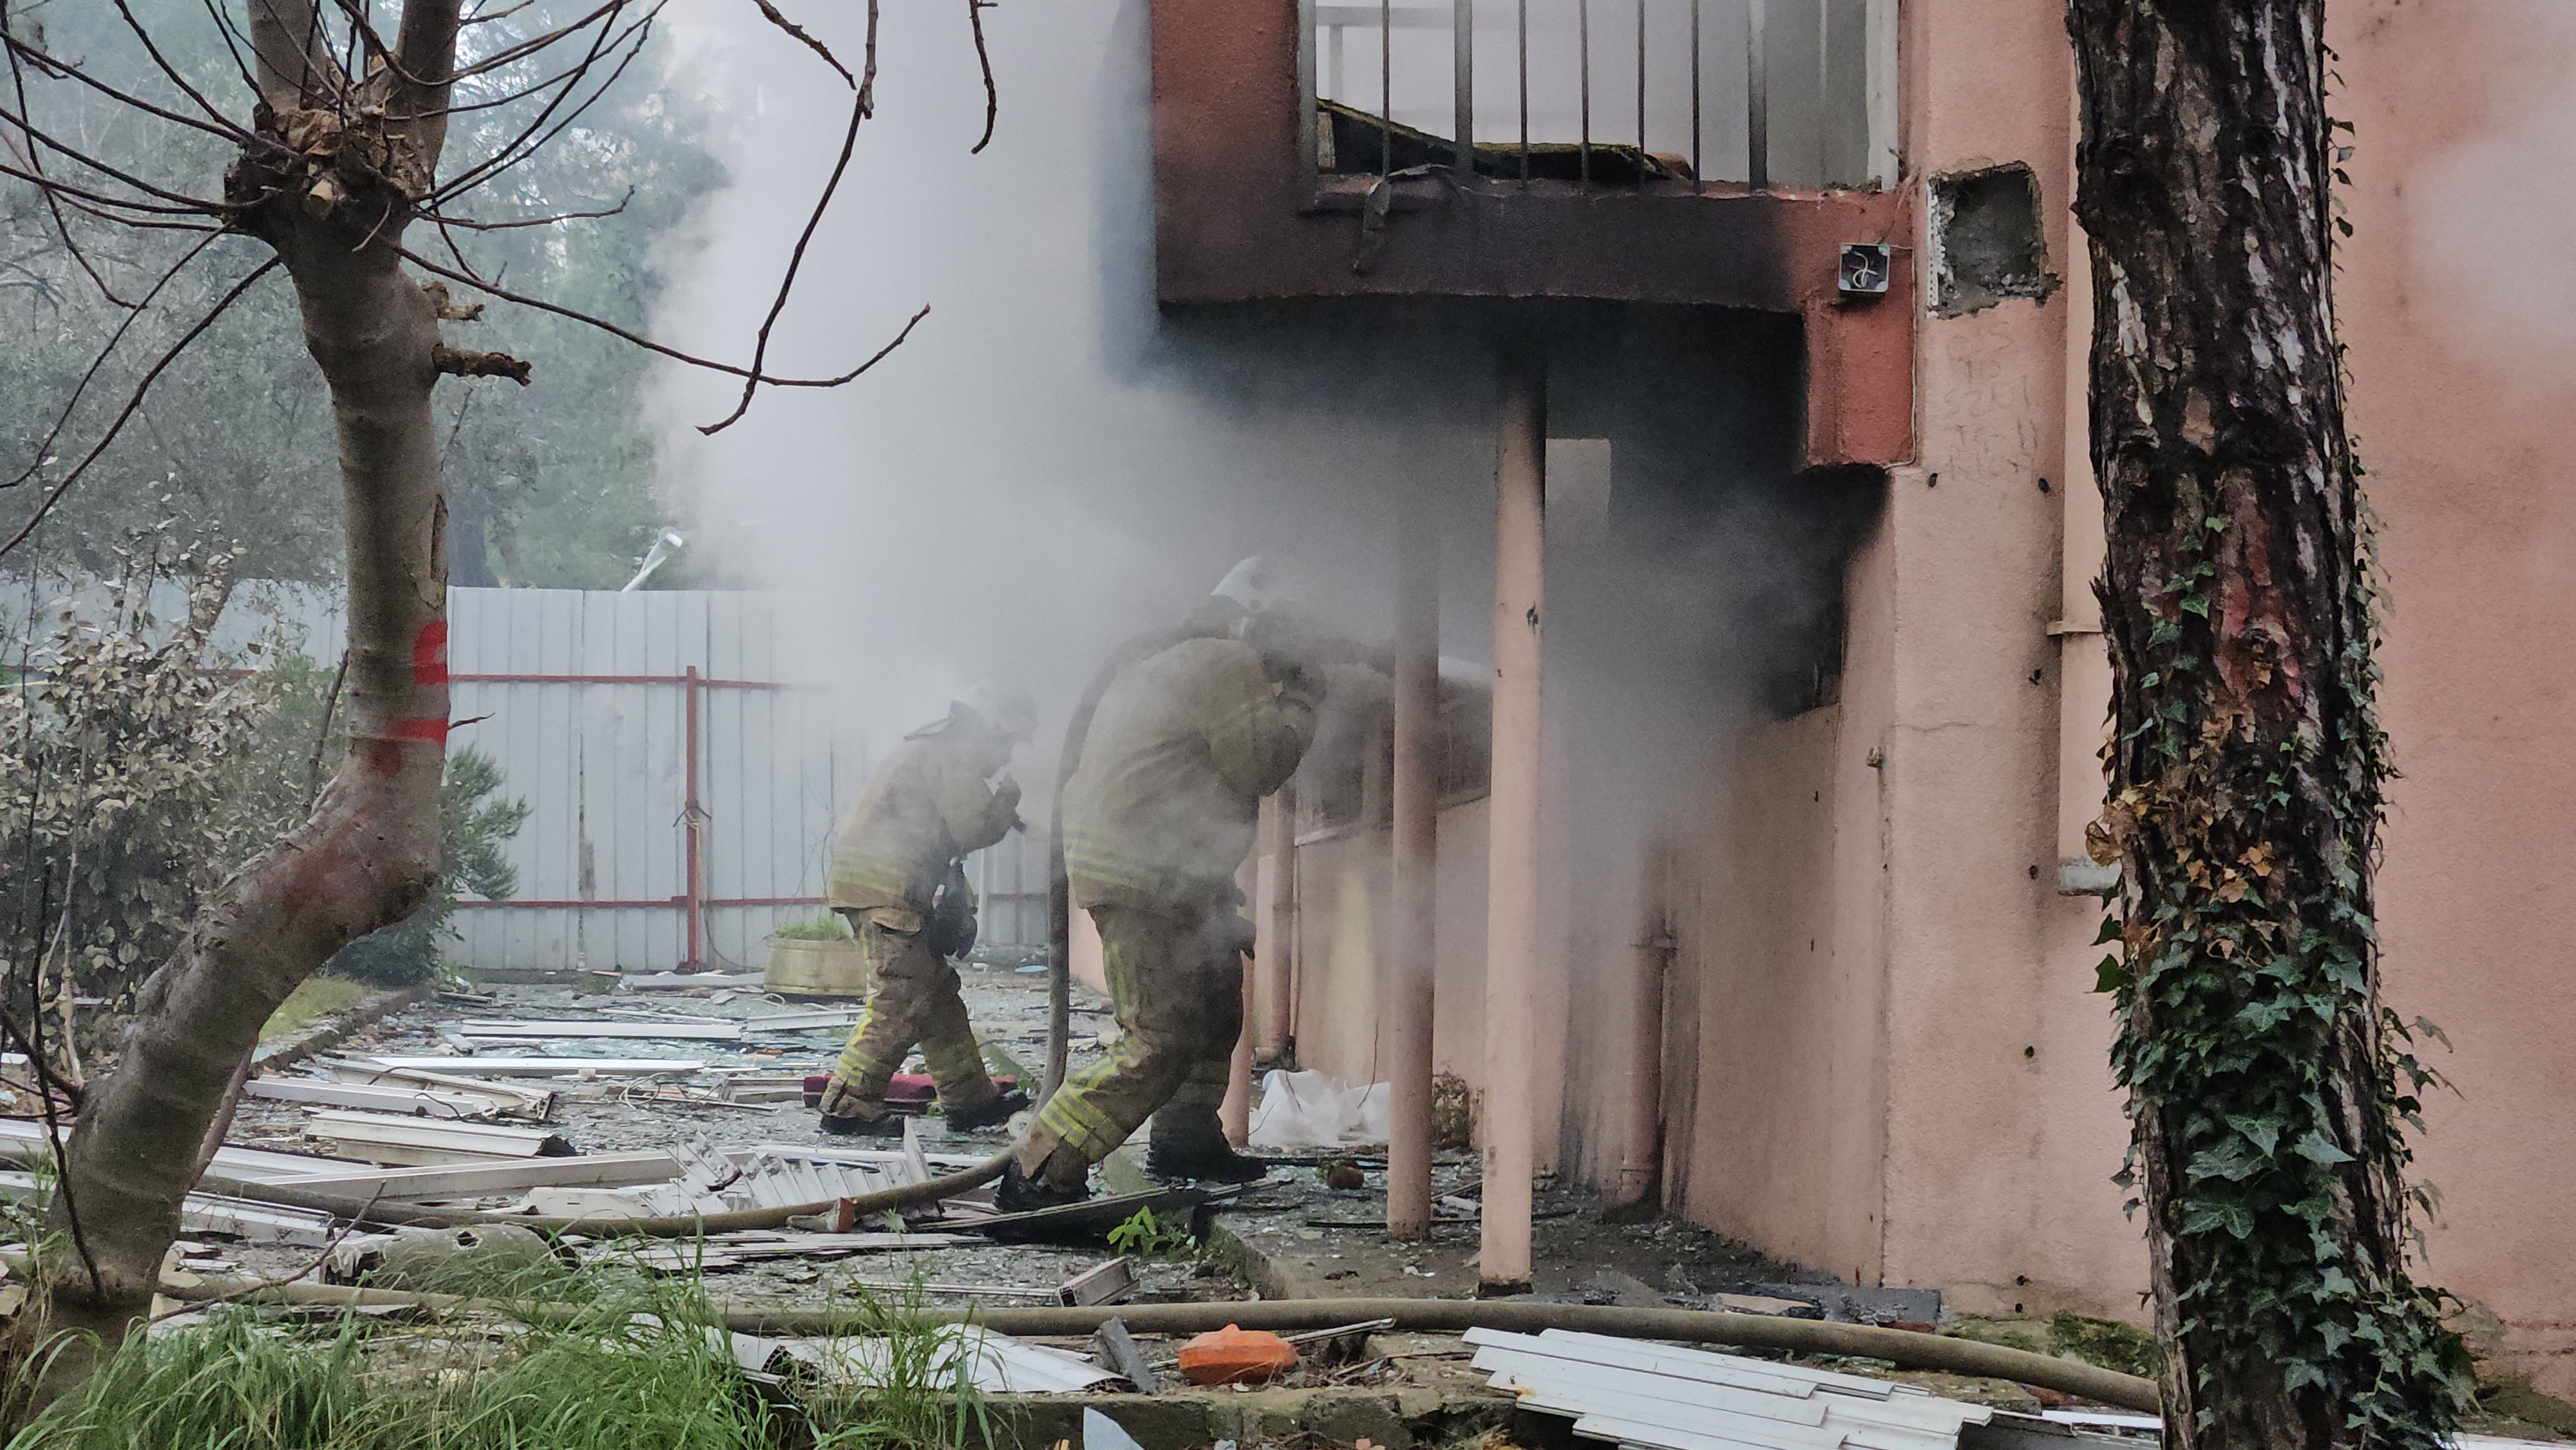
[433, 1137]
[639, 1031]
[520, 1099]
[550, 1066]
[418, 1102]
[1621, 1388]
[585, 1170]
[1897, 1422]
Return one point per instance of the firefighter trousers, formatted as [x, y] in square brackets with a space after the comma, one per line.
[912, 1002]
[1176, 979]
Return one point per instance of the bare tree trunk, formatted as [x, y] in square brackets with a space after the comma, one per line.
[331, 190]
[2247, 767]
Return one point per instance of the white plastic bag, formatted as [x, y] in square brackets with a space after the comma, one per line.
[1310, 1110]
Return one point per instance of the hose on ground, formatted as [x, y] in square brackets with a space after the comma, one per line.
[1904, 1348]
[412, 1215]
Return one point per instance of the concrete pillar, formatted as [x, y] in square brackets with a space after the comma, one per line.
[1235, 1113]
[1512, 888]
[1410, 937]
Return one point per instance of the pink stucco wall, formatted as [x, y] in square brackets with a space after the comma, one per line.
[2463, 381]
[1888, 1060]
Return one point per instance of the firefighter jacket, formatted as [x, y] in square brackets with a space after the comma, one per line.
[1161, 809]
[924, 809]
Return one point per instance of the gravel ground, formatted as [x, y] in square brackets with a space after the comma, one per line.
[599, 1117]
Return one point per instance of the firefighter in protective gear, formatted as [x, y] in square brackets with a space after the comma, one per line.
[1158, 814]
[898, 878]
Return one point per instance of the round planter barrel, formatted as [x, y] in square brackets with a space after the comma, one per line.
[816, 968]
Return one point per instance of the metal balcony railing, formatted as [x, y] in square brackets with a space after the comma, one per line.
[1764, 93]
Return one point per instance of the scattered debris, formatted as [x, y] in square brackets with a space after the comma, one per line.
[1107, 1282]
[691, 1030]
[1236, 1356]
[1310, 1110]
[474, 1180]
[518, 1100]
[997, 1363]
[688, 981]
[419, 1102]
[1117, 1349]
[551, 1066]
[1662, 1398]
[432, 1258]
[384, 1138]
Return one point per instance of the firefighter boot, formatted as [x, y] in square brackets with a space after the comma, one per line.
[1187, 1142]
[992, 1114]
[1063, 1178]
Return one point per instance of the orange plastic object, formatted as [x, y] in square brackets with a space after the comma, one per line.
[1235, 1356]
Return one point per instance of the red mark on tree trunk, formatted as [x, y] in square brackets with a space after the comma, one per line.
[384, 754]
[429, 654]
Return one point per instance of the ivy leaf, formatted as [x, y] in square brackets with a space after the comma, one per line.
[2263, 1134]
[2196, 604]
[2229, 1161]
[2112, 976]
[2316, 1149]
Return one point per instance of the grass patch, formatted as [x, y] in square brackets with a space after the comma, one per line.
[2107, 1343]
[312, 1000]
[616, 1360]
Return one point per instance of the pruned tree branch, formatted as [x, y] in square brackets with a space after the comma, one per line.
[423, 69]
[984, 59]
[460, 362]
[862, 106]
[664, 349]
[294, 58]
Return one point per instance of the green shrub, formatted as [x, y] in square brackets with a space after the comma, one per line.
[475, 830]
[827, 927]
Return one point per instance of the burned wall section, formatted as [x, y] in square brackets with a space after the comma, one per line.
[1988, 240]
[1700, 600]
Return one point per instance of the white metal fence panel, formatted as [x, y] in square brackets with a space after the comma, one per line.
[586, 701]
[594, 703]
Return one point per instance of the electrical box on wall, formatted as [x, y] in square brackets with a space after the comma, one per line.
[1864, 269]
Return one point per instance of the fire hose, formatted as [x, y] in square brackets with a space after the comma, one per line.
[410, 1215]
[1905, 1348]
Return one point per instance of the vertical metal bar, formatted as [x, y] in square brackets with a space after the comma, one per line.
[1825, 98]
[1699, 173]
[1525, 146]
[1880, 72]
[1583, 52]
[1757, 97]
[1308, 157]
[693, 828]
[1462, 37]
[1641, 90]
[1385, 86]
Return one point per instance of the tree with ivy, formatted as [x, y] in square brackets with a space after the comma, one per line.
[2269, 1088]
